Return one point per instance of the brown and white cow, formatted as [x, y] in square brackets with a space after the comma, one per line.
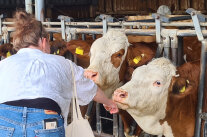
[161, 100]
[110, 56]
[112, 60]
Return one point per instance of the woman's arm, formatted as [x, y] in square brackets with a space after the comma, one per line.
[109, 105]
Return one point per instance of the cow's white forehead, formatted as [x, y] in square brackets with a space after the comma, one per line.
[160, 66]
[111, 42]
[153, 73]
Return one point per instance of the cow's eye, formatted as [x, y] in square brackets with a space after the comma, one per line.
[157, 83]
[119, 55]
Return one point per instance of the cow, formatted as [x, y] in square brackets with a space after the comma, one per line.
[81, 49]
[58, 47]
[7, 50]
[111, 57]
[191, 49]
[162, 98]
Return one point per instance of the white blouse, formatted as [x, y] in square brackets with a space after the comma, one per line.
[32, 73]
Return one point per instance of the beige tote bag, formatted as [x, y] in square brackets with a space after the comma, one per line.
[79, 127]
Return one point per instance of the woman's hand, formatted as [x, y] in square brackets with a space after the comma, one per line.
[111, 107]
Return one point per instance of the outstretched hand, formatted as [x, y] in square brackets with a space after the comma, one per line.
[111, 107]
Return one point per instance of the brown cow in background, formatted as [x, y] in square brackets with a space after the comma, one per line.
[7, 50]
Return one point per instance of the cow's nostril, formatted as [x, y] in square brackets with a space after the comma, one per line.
[94, 75]
[123, 95]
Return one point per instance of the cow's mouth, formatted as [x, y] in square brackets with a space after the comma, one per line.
[121, 105]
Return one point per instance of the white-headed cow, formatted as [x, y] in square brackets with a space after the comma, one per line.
[162, 100]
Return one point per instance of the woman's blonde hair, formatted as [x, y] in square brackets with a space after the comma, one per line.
[28, 30]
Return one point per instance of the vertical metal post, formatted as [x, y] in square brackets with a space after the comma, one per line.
[194, 14]
[28, 6]
[174, 46]
[115, 125]
[201, 88]
[39, 10]
[51, 33]
[166, 43]
[83, 36]
[158, 34]
[98, 119]
[1, 16]
[104, 20]
[180, 51]
[174, 56]
[63, 28]
[8, 38]
[121, 127]
[89, 110]
[159, 50]
[94, 36]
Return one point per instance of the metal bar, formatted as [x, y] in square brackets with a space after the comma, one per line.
[121, 127]
[158, 29]
[159, 50]
[174, 46]
[106, 118]
[201, 88]
[132, 128]
[83, 36]
[39, 10]
[175, 24]
[28, 6]
[115, 125]
[94, 36]
[0, 26]
[8, 37]
[104, 20]
[102, 135]
[197, 26]
[175, 56]
[143, 32]
[201, 17]
[89, 109]
[98, 119]
[180, 51]
[166, 43]
[63, 28]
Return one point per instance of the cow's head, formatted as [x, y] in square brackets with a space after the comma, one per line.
[7, 50]
[80, 49]
[106, 57]
[149, 85]
[58, 47]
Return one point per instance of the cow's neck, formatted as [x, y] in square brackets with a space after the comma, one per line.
[150, 123]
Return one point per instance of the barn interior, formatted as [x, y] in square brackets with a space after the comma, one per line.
[177, 23]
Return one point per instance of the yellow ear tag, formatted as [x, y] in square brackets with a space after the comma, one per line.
[182, 90]
[79, 51]
[187, 81]
[137, 59]
[8, 54]
[54, 53]
[58, 51]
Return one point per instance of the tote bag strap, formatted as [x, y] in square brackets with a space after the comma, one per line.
[76, 109]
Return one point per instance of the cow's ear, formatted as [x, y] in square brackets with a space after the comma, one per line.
[180, 86]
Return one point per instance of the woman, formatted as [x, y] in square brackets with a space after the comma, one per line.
[36, 87]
